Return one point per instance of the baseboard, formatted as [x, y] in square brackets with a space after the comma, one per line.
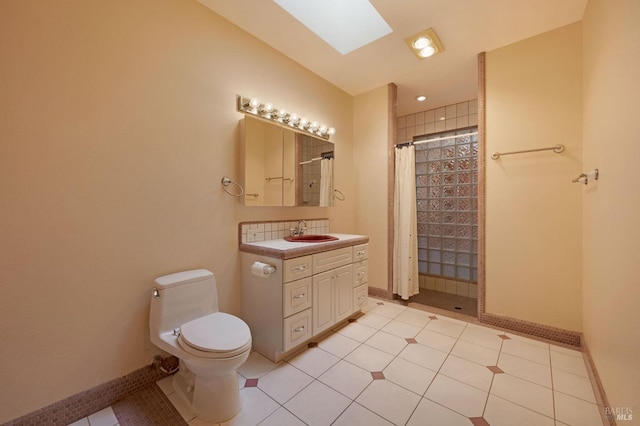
[381, 293]
[596, 383]
[83, 404]
[559, 335]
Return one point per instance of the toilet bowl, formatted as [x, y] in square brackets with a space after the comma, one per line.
[185, 322]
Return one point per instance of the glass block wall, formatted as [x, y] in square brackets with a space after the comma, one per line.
[447, 199]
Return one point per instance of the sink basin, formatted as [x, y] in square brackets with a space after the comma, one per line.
[311, 238]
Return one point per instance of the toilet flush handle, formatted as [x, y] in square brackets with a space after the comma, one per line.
[156, 293]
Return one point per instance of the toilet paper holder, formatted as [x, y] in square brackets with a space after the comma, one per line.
[262, 270]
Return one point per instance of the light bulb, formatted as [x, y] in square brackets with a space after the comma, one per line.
[293, 119]
[303, 123]
[427, 51]
[254, 103]
[323, 129]
[421, 43]
[268, 107]
[331, 131]
[281, 113]
[314, 125]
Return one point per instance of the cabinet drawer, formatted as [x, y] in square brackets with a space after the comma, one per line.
[360, 252]
[331, 259]
[296, 329]
[360, 273]
[360, 296]
[296, 296]
[296, 268]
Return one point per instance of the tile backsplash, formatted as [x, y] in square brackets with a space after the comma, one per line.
[251, 232]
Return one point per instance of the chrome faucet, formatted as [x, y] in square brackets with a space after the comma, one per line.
[299, 229]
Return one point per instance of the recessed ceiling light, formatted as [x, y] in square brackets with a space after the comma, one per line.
[344, 25]
[421, 43]
[421, 98]
[424, 44]
[427, 51]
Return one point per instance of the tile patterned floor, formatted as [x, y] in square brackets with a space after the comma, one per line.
[402, 366]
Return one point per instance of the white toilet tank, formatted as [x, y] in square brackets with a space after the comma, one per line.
[182, 297]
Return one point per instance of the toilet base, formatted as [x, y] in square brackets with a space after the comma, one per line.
[214, 399]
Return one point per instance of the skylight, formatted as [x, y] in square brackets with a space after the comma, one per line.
[344, 25]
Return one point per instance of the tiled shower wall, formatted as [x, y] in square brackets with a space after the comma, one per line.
[438, 120]
[450, 117]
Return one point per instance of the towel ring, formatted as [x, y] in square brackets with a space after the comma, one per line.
[226, 182]
[337, 191]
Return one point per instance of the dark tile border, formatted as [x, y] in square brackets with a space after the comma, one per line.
[85, 403]
[148, 407]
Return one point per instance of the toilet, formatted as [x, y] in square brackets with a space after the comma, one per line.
[185, 322]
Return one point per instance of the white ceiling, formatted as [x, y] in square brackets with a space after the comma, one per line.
[465, 27]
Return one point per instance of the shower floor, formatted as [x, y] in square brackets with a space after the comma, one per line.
[450, 302]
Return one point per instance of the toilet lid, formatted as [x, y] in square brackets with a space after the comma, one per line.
[218, 333]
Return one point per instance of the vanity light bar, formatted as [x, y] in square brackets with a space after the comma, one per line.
[267, 111]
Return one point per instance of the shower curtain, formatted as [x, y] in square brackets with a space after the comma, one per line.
[405, 235]
[326, 182]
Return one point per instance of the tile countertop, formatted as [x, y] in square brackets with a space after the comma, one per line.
[282, 249]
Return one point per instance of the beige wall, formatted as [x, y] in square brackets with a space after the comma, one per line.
[117, 122]
[611, 266]
[533, 211]
[370, 153]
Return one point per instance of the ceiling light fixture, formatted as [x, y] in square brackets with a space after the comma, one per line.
[421, 98]
[267, 111]
[424, 44]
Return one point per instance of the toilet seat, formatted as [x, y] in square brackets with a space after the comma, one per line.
[218, 335]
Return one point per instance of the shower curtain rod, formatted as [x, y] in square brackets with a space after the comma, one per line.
[435, 139]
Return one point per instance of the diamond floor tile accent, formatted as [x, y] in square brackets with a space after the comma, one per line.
[377, 375]
[479, 421]
[445, 372]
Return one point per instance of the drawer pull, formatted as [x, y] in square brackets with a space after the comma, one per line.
[299, 329]
[361, 253]
[299, 296]
[361, 274]
[361, 298]
[299, 268]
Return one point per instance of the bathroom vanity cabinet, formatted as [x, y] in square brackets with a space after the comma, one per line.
[305, 295]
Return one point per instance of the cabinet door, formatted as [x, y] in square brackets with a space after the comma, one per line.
[343, 296]
[323, 301]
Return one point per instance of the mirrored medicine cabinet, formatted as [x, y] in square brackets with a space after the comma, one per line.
[283, 167]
